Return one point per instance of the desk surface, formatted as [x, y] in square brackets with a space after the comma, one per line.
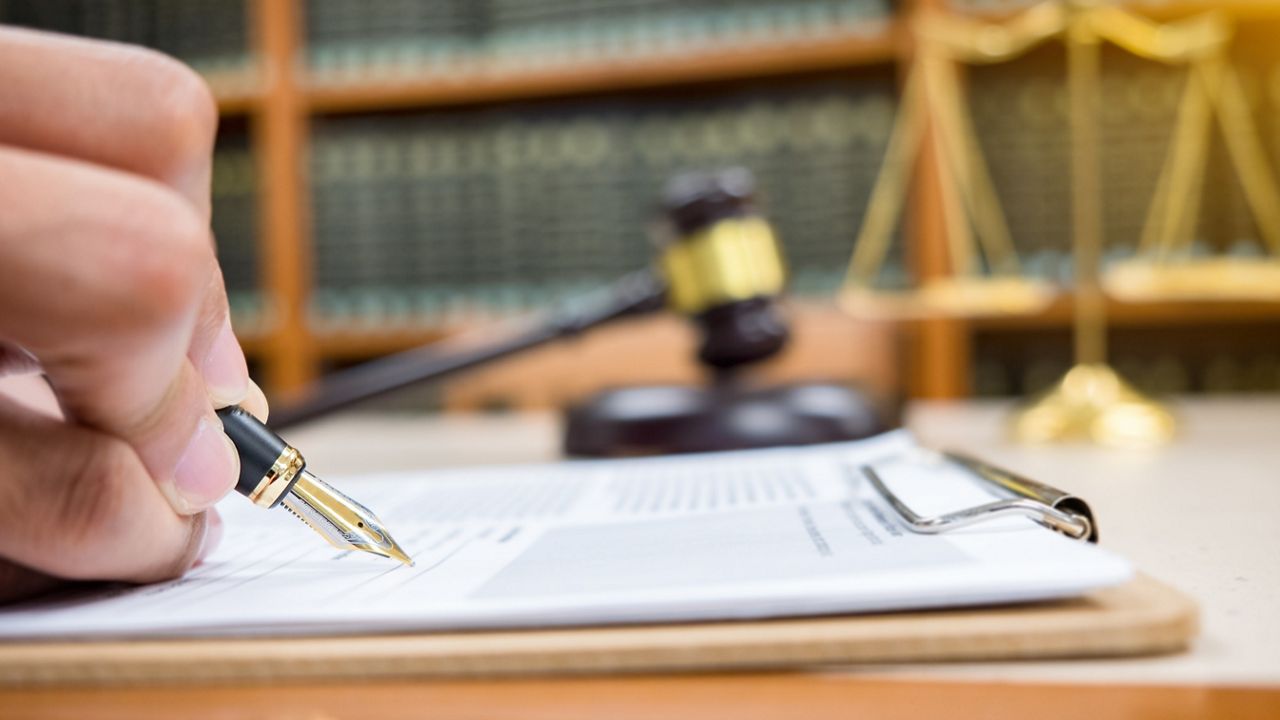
[1200, 514]
[1197, 514]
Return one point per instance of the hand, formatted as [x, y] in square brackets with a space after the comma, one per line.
[109, 285]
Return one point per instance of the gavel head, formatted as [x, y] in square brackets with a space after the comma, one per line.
[723, 266]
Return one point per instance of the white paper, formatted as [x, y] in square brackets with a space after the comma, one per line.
[752, 534]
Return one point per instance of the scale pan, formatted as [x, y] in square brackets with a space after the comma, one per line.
[1221, 278]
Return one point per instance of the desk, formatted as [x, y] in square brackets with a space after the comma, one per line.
[1199, 515]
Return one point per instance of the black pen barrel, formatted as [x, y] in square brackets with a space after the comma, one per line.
[268, 465]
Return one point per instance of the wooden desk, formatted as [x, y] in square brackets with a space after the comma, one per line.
[1198, 514]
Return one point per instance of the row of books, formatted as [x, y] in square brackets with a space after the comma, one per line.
[358, 41]
[435, 216]
[430, 215]
[1020, 110]
[1171, 360]
[1162, 375]
[235, 227]
[349, 41]
[209, 35]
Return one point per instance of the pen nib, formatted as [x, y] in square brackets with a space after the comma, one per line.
[345, 523]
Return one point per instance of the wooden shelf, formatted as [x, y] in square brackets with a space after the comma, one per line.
[239, 103]
[237, 93]
[254, 345]
[1125, 314]
[363, 344]
[359, 343]
[874, 45]
[350, 344]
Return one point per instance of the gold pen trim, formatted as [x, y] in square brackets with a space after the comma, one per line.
[273, 484]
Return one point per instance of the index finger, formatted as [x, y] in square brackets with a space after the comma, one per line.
[110, 104]
[134, 110]
[104, 293]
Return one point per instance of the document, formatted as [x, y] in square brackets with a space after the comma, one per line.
[751, 534]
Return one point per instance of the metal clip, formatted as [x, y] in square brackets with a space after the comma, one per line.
[1046, 505]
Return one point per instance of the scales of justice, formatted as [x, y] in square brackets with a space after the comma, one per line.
[1091, 402]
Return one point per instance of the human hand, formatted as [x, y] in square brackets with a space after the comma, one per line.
[109, 285]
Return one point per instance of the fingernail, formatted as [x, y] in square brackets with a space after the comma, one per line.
[224, 370]
[212, 535]
[207, 469]
[256, 402]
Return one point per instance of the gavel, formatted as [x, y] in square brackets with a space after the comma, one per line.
[719, 264]
[723, 267]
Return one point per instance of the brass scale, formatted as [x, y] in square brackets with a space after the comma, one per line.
[1091, 402]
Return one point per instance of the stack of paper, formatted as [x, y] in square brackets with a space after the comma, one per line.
[763, 533]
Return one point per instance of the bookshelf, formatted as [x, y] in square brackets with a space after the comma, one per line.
[279, 99]
[287, 348]
[1167, 313]
[839, 50]
[237, 93]
[941, 349]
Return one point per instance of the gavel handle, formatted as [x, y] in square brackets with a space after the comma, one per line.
[635, 294]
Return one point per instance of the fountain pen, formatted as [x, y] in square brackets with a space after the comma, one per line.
[272, 473]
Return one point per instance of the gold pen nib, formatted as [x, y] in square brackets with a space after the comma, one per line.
[345, 523]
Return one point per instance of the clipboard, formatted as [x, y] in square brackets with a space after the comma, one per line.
[1142, 617]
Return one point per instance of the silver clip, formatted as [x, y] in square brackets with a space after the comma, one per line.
[1046, 505]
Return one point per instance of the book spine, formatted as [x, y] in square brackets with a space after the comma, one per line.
[209, 35]
[234, 197]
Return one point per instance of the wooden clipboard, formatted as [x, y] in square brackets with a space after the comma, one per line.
[1143, 617]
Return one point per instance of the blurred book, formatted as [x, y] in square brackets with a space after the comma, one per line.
[433, 217]
[1210, 358]
[235, 227]
[210, 35]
